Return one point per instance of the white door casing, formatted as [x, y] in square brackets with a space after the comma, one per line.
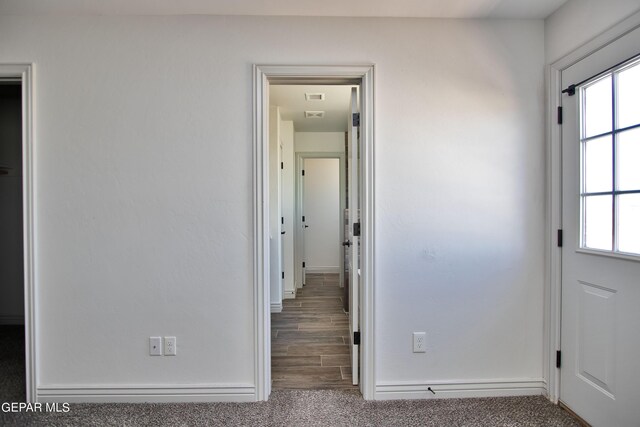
[324, 74]
[24, 73]
[600, 290]
[300, 195]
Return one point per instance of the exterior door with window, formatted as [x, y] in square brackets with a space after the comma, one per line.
[600, 333]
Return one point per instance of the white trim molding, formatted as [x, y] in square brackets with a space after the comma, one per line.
[25, 72]
[100, 393]
[553, 286]
[318, 74]
[460, 389]
[276, 307]
[323, 270]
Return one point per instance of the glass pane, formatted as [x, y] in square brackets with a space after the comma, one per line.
[628, 153]
[629, 223]
[629, 96]
[598, 164]
[597, 108]
[597, 222]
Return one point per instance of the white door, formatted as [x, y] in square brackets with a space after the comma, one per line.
[303, 229]
[600, 333]
[281, 212]
[353, 180]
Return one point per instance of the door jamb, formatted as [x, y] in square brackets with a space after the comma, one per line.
[553, 279]
[24, 72]
[300, 157]
[262, 76]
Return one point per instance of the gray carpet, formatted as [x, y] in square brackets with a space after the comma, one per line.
[12, 373]
[284, 408]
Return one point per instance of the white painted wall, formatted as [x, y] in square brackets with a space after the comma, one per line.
[579, 21]
[322, 211]
[144, 191]
[316, 142]
[11, 260]
[288, 204]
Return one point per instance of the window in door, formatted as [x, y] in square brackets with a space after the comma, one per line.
[610, 161]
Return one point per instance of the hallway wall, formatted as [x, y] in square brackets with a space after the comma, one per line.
[144, 201]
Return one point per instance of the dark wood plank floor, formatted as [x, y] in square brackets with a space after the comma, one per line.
[310, 338]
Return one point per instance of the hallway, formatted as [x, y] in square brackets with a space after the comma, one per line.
[310, 338]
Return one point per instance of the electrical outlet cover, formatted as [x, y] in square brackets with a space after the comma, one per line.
[170, 346]
[419, 342]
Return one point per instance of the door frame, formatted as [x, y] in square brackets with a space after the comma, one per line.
[300, 158]
[362, 75]
[553, 279]
[24, 74]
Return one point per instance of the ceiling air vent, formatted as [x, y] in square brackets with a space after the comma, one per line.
[314, 114]
[314, 96]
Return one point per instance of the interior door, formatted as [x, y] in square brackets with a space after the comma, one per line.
[353, 239]
[600, 347]
[281, 212]
[303, 228]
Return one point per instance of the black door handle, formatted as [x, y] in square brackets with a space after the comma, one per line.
[282, 232]
[306, 226]
[347, 243]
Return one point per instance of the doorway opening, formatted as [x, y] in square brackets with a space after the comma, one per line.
[314, 160]
[310, 325]
[17, 326]
[12, 334]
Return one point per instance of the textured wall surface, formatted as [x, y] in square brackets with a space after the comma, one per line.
[144, 191]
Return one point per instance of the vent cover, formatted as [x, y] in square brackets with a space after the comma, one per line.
[314, 96]
[314, 114]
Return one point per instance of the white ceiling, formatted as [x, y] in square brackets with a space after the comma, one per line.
[293, 104]
[533, 9]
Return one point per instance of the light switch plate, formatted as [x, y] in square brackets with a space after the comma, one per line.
[155, 346]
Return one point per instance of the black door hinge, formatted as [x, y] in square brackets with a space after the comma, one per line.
[356, 229]
[559, 115]
[283, 274]
[558, 359]
[281, 165]
[356, 119]
[571, 90]
[302, 172]
[559, 238]
[356, 338]
[304, 264]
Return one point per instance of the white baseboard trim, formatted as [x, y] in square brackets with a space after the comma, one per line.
[151, 394]
[289, 294]
[461, 389]
[276, 307]
[11, 320]
[319, 270]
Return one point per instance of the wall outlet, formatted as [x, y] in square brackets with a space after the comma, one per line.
[419, 342]
[155, 346]
[169, 346]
